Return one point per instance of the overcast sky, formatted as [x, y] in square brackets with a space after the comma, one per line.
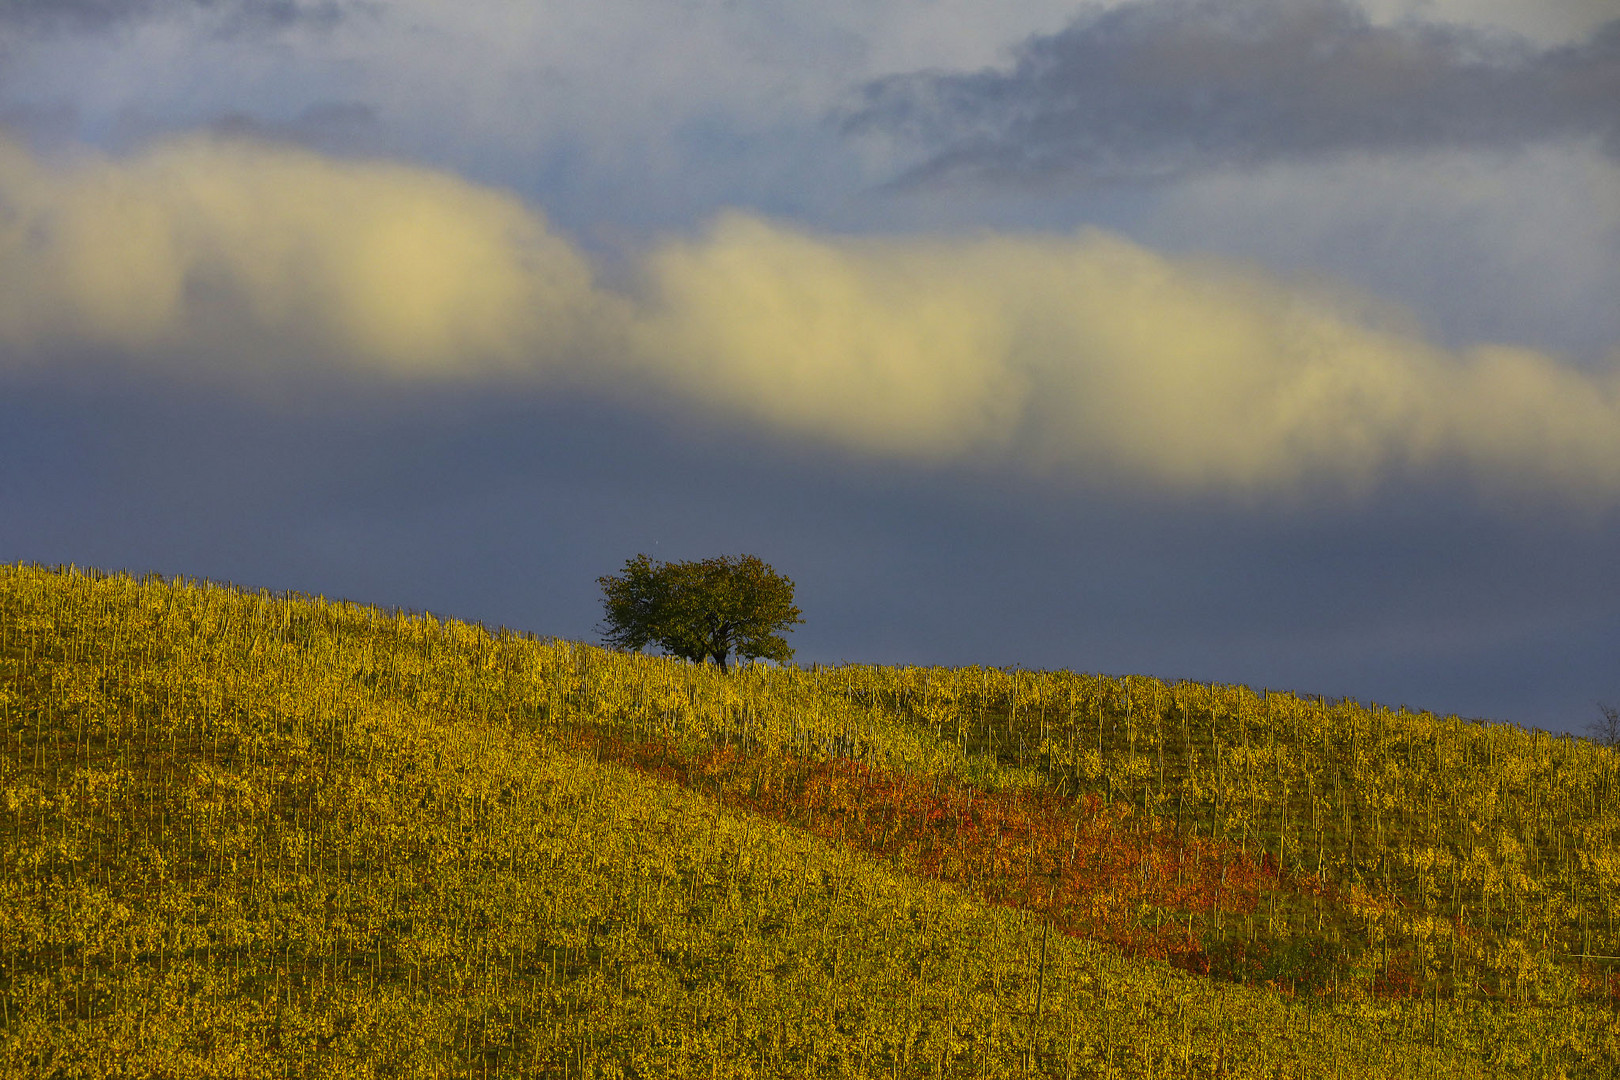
[1263, 341]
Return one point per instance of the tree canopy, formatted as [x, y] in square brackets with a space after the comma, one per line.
[698, 610]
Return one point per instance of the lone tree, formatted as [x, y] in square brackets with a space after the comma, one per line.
[696, 610]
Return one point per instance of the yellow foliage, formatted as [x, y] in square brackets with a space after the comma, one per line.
[252, 836]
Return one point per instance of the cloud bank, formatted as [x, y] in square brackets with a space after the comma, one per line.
[1081, 355]
[1089, 354]
[1157, 89]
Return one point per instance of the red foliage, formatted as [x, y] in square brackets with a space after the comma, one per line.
[1097, 871]
[1078, 862]
[1600, 982]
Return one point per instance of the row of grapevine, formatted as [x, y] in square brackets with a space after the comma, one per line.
[257, 835]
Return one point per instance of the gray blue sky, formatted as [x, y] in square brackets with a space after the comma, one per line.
[1266, 341]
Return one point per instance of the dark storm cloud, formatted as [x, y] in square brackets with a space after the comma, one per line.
[1161, 88]
[234, 16]
[506, 508]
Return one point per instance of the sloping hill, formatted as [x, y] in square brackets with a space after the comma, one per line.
[268, 836]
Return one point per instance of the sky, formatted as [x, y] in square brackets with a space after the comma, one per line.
[1249, 341]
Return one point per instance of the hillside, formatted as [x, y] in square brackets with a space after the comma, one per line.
[257, 835]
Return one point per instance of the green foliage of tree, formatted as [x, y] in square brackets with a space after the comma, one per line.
[699, 610]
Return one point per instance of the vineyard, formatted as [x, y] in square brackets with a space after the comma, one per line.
[256, 835]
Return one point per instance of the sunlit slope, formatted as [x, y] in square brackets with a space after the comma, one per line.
[253, 836]
[1470, 858]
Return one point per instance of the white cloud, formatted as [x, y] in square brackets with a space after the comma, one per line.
[1081, 355]
[1089, 355]
[623, 117]
[225, 253]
